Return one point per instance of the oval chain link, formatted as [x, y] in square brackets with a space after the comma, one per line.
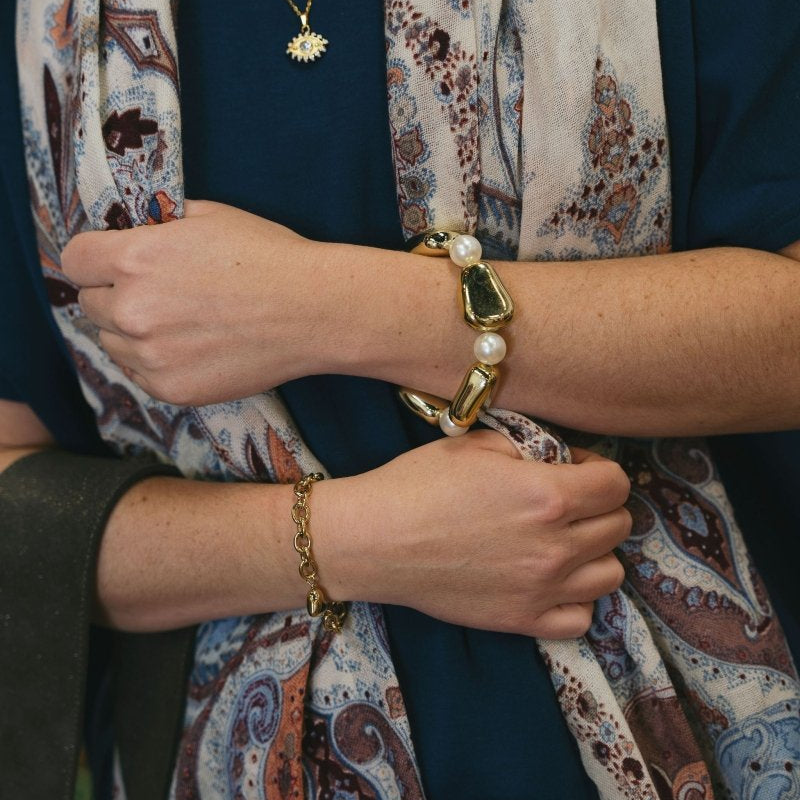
[333, 612]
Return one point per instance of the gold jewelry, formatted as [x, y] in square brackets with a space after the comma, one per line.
[333, 612]
[306, 46]
[487, 307]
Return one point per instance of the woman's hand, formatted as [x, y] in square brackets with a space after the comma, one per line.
[211, 307]
[464, 530]
[223, 304]
[461, 529]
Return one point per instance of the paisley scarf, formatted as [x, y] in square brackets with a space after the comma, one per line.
[540, 125]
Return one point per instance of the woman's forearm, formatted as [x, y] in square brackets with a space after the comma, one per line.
[680, 344]
[176, 552]
[676, 344]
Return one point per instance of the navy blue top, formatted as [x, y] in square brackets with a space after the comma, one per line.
[308, 146]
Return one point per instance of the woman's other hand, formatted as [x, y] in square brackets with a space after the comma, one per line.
[465, 531]
[218, 305]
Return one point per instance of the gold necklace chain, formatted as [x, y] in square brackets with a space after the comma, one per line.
[307, 45]
[300, 13]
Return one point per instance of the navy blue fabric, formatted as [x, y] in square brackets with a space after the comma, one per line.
[748, 103]
[34, 366]
[263, 150]
[680, 80]
[733, 104]
[307, 146]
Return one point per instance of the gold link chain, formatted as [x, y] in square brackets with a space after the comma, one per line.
[333, 612]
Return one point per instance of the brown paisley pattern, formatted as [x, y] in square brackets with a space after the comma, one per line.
[625, 157]
[450, 68]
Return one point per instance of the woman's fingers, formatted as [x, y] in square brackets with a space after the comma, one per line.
[593, 580]
[593, 537]
[580, 455]
[124, 354]
[192, 291]
[566, 621]
[591, 488]
[94, 258]
[96, 302]
[587, 583]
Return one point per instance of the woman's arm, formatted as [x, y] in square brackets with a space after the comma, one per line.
[21, 433]
[224, 304]
[462, 530]
[691, 343]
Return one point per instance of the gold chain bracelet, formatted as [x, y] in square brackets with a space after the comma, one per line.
[333, 612]
[487, 307]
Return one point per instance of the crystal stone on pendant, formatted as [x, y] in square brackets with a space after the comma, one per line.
[306, 46]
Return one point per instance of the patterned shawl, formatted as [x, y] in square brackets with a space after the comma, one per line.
[540, 125]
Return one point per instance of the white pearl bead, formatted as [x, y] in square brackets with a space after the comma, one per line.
[448, 426]
[465, 250]
[490, 348]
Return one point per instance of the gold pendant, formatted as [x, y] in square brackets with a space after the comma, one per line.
[306, 46]
[315, 602]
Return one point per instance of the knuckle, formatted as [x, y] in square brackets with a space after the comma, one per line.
[73, 254]
[159, 389]
[151, 358]
[620, 525]
[85, 303]
[564, 622]
[130, 257]
[620, 480]
[68, 257]
[550, 506]
[128, 318]
[551, 564]
[107, 343]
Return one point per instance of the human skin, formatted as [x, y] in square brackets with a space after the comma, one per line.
[619, 352]
[499, 543]
[690, 343]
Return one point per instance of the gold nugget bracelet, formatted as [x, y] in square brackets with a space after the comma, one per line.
[487, 307]
[333, 612]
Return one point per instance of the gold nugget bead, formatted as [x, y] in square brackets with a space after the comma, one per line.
[432, 243]
[486, 302]
[426, 406]
[475, 392]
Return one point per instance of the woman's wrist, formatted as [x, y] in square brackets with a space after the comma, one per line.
[344, 540]
[393, 316]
